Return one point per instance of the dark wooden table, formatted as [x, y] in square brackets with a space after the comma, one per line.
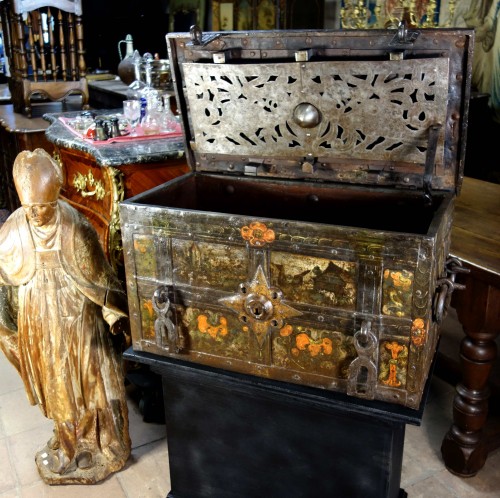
[476, 242]
[106, 93]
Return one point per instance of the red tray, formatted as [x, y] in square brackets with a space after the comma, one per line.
[138, 135]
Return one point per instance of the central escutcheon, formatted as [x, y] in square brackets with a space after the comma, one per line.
[259, 306]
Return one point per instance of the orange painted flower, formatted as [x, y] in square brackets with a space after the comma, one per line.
[314, 349]
[140, 246]
[286, 331]
[203, 323]
[327, 346]
[212, 330]
[302, 341]
[395, 348]
[392, 380]
[418, 332]
[400, 279]
[223, 325]
[257, 234]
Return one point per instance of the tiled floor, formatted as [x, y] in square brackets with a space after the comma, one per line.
[23, 430]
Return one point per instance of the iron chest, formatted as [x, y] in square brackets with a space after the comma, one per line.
[309, 243]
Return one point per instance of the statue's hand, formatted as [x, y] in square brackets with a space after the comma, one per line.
[121, 326]
[7, 324]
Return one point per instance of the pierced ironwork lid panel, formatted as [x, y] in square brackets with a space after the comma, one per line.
[367, 107]
[369, 110]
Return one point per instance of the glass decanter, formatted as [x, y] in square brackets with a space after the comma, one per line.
[134, 90]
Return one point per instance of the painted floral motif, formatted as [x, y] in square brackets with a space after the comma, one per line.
[314, 348]
[148, 319]
[397, 292]
[214, 331]
[286, 331]
[303, 342]
[418, 332]
[393, 369]
[140, 246]
[321, 351]
[148, 306]
[144, 256]
[257, 234]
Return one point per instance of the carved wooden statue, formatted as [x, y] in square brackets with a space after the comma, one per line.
[61, 346]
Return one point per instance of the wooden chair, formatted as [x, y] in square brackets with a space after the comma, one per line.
[44, 46]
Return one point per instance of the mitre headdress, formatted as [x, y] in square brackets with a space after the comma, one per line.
[38, 177]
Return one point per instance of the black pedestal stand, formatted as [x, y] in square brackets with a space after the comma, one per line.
[239, 436]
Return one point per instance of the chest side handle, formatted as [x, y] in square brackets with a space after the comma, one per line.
[362, 376]
[166, 332]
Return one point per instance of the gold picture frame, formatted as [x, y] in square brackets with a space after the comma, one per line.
[244, 15]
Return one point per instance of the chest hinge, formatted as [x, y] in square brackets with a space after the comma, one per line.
[251, 168]
[429, 161]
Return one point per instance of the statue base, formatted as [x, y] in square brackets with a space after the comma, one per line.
[85, 468]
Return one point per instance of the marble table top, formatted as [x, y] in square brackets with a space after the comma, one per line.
[113, 154]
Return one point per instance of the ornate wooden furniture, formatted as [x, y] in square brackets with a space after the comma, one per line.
[476, 242]
[99, 177]
[44, 46]
[106, 93]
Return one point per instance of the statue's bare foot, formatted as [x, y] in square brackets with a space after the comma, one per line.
[84, 460]
[59, 463]
[86, 467]
[53, 443]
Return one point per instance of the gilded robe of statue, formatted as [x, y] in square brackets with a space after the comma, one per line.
[66, 293]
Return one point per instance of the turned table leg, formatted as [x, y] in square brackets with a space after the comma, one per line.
[464, 447]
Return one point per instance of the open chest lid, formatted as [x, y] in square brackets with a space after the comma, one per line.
[370, 107]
